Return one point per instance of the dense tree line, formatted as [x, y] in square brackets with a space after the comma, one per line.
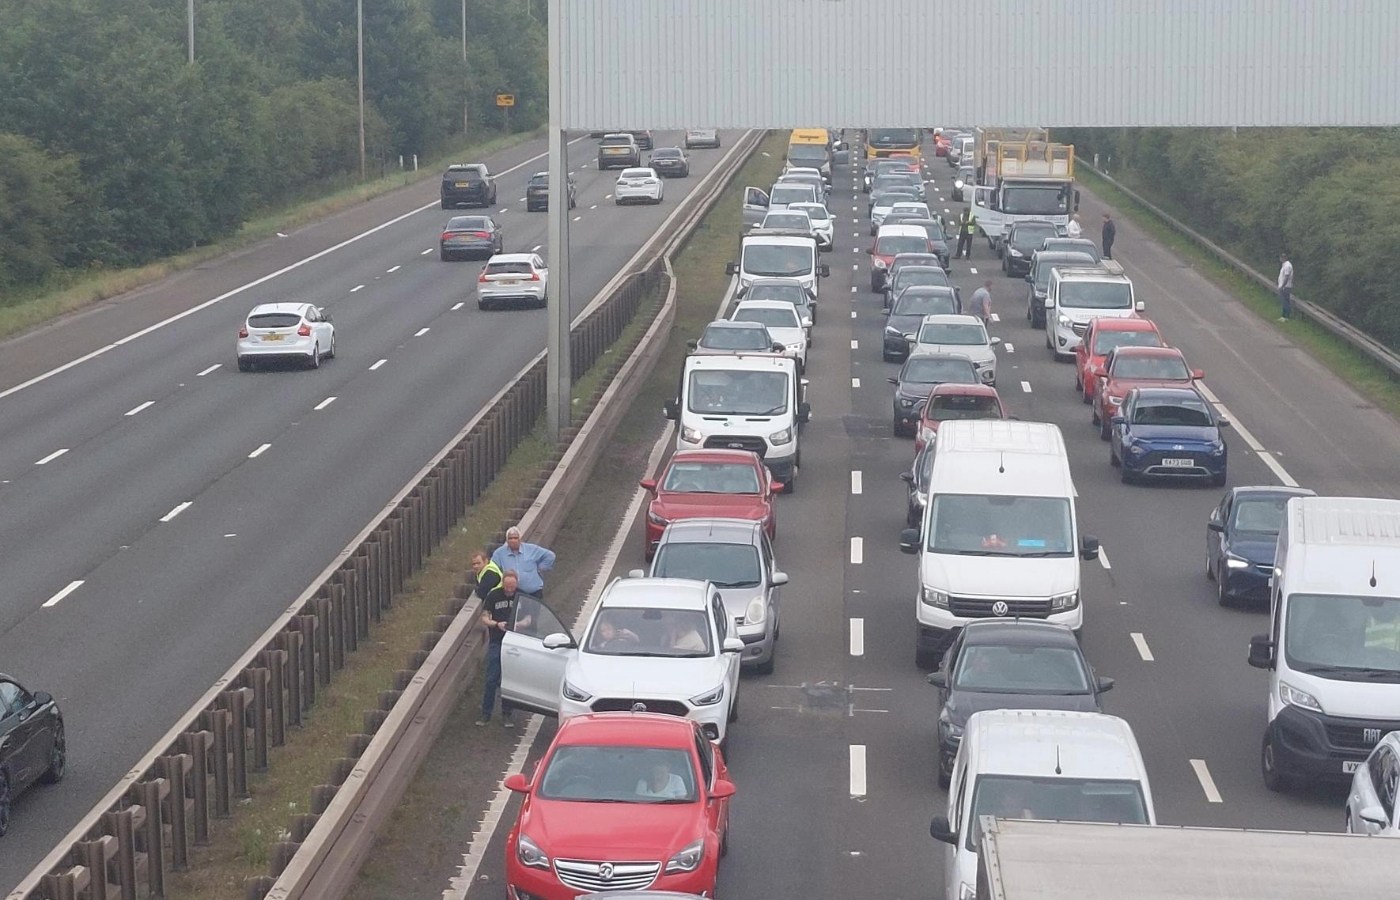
[1326, 196]
[114, 150]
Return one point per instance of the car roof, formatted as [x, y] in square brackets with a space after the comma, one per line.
[676, 150]
[628, 729]
[714, 530]
[1169, 393]
[1271, 490]
[618, 134]
[729, 323]
[915, 290]
[511, 257]
[938, 357]
[950, 319]
[262, 308]
[763, 304]
[1018, 631]
[1051, 742]
[966, 390]
[656, 593]
[1091, 273]
[635, 170]
[787, 212]
[901, 231]
[716, 455]
[466, 167]
[1123, 323]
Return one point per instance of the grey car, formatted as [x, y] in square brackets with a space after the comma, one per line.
[916, 380]
[736, 556]
[736, 337]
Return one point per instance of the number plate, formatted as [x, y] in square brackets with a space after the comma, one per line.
[1172, 463]
[509, 281]
[1349, 767]
[272, 337]
[459, 184]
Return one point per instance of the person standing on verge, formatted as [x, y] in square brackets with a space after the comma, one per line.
[967, 224]
[1285, 288]
[981, 306]
[530, 561]
[486, 575]
[1110, 231]
[1072, 229]
[496, 617]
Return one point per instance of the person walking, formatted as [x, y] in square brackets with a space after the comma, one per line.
[1285, 288]
[497, 616]
[1073, 229]
[981, 305]
[1110, 231]
[967, 226]
[486, 575]
[530, 561]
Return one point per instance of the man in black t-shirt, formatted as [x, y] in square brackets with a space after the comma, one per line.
[497, 615]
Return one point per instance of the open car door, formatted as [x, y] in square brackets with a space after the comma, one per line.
[532, 674]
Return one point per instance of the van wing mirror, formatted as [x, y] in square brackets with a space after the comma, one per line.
[1261, 652]
[1105, 685]
[804, 413]
[938, 679]
[909, 540]
[824, 270]
[1089, 547]
[940, 830]
[671, 410]
[731, 268]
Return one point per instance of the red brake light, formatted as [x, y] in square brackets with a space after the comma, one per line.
[304, 330]
[446, 235]
[534, 276]
[481, 279]
[481, 234]
[243, 332]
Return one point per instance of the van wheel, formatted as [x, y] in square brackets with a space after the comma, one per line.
[1274, 780]
[1221, 595]
[925, 659]
[790, 486]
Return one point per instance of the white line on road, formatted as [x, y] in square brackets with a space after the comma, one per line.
[458, 305]
[857, 551]
[996, 318]
[323, 404]
[422, 331]
[136, 409]
[578, 218]
[1268, 458]
[855, 382]
[1026, 387]
[855, 481]
[393, 270]
[1141, 643]
[377, 364]
[854, 289]
[177, 510]
[855, 267]
[1010, 348]
[426, 252]
[972, 270]
[1103, 558]
[594, 206]
[607, 196]
[858, 771]
[536, 248]
[855, 249]
[855, 344]
[51, 457]
[853, 314]
[857, 637]
[208, 370]
[358, 287]
[260, 451]
[56, 598]
[1207, 783]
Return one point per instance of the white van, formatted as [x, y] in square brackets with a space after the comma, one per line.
[1333, 650]
[999, 535]
[743, 402]
[1078, 294]
[774, 254]
[1038, 764]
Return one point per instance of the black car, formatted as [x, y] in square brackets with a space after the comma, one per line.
[917, 377]
[670, 162]
[1241, 537]
[1021, 242]
[32, 744]
[468, 236]
[1010, 664]
[537, 192]
[917, 479]
[914, 268]
[644, 139]
[468, 185]
[908, 313]
[1038, 280]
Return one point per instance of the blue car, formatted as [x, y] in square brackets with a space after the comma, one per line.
[1241, 536]
[1167, 432]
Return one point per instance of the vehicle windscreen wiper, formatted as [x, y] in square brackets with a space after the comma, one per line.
[668, 800]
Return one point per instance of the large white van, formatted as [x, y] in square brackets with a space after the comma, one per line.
[743, 402]
[1038, 764]
[773, 254]
[1333, 650]
[1076, 295]
[999, 535]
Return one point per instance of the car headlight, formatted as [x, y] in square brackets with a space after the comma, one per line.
[1065, 321]
[933, 598]
[1234, 562]
[690, 435]
[879, 263]
[709, 698]
[1291, 696]
[958, 184]
[757, 612]
[654, 519]
[779, 438]
[1218, 449]
[1064, 602]
[1114, 400]
[1014, 252]
[575, 693]
[688, 860]
[906, 402]
[530, 854]
[947, 728]
[1137, 449]
[893, 332]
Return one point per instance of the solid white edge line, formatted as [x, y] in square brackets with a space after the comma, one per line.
[208, 370]
[56, 598]
[1268, 458]
[323, 404]
[51, 457]
[857, 551]
[858, 771]
[1207, 783]
[136, 409]
[177, 510]
[377, 364]
[259, 452]
[857, 636]
[1140, 643]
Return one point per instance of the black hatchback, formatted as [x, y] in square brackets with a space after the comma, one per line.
[669, 162]
[32, 743]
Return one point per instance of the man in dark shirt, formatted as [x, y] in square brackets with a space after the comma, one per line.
[497, 616]
[1110, 231]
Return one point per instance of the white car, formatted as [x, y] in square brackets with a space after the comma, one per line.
[883, 204]
[958, 335]
[823, 225]
[911, 208]
[1375, 790]
[666, 644]
[701, 137]
[513, 278]
[784, 322]
[638, 186]
[285, 331]
[788, 220]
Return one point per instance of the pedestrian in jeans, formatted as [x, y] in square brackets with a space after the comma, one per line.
[981, 306]
[1110, 231]
[530, 561]
[1285, 288]
[498, 617]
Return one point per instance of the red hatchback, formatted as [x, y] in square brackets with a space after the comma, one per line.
[1126, 368]
[728, 484]
[956, 401]
[1104, 335]
[620, 802]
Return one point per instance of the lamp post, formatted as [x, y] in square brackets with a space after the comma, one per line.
[466, 93]
[558, 366]
[360, 52]
[189, 20]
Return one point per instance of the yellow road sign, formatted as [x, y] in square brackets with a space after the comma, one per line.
[505, 100]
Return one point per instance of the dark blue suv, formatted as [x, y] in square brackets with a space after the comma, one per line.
[1167, 433]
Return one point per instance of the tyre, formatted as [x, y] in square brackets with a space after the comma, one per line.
[790, 486]
[1078, 381]
[446, 205]
[1210, 570]
[1113, 457]
[5, 799]
[58, 759]
[766, 667]
[1103, 428]
[1274, 779]
[330, 354]
[444, 256]
[925, 659]
[1222, 596]
[314, 362]
[1218, 480]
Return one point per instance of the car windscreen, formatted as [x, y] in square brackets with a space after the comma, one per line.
[937, 370]
[635, 631]
[816, 213]
[508, 268]
[1345, 637]
[1071, 245]
[723, 565]
[539, 180]
[1096, 295]
[966, 334]
[1001, 525]
[892, 244]
[789, 193]
[1150, 368]
[1180, 413]
[274, 320]
[1258, 515]
[947, 407]
[736, 392]
[888, 198]
[1106, 340]
[711, 478]
[1020, 669]
[1031, 237]
[778, 260]
[787, 293]
[1056, 799]
[618, 774]
[891, 181]
[753, 338]
[773, 317]
[915, 302]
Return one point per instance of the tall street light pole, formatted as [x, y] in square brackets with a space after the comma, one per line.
[558, 366]
[466, 92]
[360, 51]
[189, 19]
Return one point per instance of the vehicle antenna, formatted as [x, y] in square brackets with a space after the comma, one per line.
[1057, 760]
[1001, 462]
[1373, 573]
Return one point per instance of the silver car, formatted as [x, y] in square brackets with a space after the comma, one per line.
[736, 556]
[513, 279]
[701, 137]
[297, 332]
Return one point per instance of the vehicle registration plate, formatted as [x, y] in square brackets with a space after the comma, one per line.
[509, 281]
[614, 151]
[1349, 767]
[272, 337]
[459, 184]
[1175, 463]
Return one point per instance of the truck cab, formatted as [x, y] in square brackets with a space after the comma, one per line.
[1024, 181]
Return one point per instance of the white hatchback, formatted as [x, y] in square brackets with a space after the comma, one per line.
[638, 186]
[823, 224]
[512, 278]
[1373, 806]
[783, 322]
[957, 335]
[285, 331]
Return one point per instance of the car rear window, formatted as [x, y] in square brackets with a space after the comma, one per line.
[469, 223]
[508, 268]
[666, 154]
[893, 244]
[539, 181]
[462, 175]
[274, 320]
[617, 142]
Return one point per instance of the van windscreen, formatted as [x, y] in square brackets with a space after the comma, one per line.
[999, 525]
[735, 392]
[1056, 799]
[779, 260]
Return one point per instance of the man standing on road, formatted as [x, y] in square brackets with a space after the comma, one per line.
[1072, 229]
[1285, 288]
[497, 613]
[530, 561]
[486, 575]
[981, 306]
[967, 225]
[1110, 231]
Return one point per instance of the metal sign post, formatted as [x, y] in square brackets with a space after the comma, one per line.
[558, 366]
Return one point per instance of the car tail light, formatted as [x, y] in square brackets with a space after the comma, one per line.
[481, 279]
[243, 332]
[304, 330]
[447, 236]
[534, 276]
[481, 234]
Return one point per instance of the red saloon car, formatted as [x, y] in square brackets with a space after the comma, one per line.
[1104, 335]
[1126, 368]
[620, 802]
[956, 401]
[728, 484]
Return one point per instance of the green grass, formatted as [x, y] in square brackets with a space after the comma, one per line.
[1369, 378]
[71, 291]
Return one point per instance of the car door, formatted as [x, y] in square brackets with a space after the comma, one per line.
[18, 730]
[731, 660]
[1215, 540]
[532, 674]
[949, 665]
[711, 770]
[770, 565]
[755, 206]
[321, 325]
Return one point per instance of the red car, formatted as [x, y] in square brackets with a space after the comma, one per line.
[956, 401]
[1104, 335]
[892, 242]
[620, 802]
[1128, 367]
[729, 484]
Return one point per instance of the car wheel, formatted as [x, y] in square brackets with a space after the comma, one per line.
[444, 255]
[314, 361]
[925, 659]
[766, 667]
[945, 770]
[1222, 596]
[1094, 415]
[4, 803]
[1210, 570]
[1113, 457]
[58, 759]
[1274, 780]
[330, 354]
[1218, 480]
[790, 486]
[1124, 475]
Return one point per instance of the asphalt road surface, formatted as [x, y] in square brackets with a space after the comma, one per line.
[162, 509]
[834, 755]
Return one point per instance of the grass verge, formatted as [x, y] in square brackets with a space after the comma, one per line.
[66, 293]
[1369, 378]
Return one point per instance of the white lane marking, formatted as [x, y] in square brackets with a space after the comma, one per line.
[57, 598]
[946, 209]
[1277, 468]
[358, 287]
[1103, 558]
[856, 235]
[260, 451]
[854, 289]
[855, 481]
[857, 637]
[578, 218]
[855, 344]
[858, 771]
[177, 510]
[377, 364]
[1207, 783]
[51, 457]
[972, 270]
[594, 206]
[536, 248]
[607, 196]
[458, 305]
[1140, 643]
[1026, 387]
[855, 267]
[855, 249]
[857, 551]
[425, 252]
[136, 409]
[1010, 348]
[855, 382]
[393, 270]
[855, 208]
[208, 370]
[1269, 459]
[853, 314]
[996, 318]
[521, 200]
[422, 331]
[323, 404]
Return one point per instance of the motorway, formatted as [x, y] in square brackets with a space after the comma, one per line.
[836, 788]
[161, 509]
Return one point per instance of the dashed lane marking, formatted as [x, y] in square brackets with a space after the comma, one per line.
[208, 370]
[51, 457]
[972, 270]
[857, 637]
[1009, 347]
[426, 252]
[260, 451]
[996, 318]
[1140, 643]
[858, 771]
[855, 382]
[857, 551]
[136, 409]
[358, 287]
[393, 270]
[422, 331]
[377, 364]
[855, 481]
[458, 305]
[1026, 387]
[855, 344]
[177, 510]
[1207, 783]
[324, 403]
[57, 598]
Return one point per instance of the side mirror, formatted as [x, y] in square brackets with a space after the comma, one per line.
[1374, 815]
[940, 830]
[1028, 279]
[42, 698]
[1089, 547]
[671, 410]
[648, 485]
[1216, 525]
[1198, 374]
[775, 488]
[1261, 652]
[1222, 423]
[806, 323]
[892, 380]
[1105, 685]
[938, 679]
[732, 645]
[558, 641]
[1140, 306]
[778, 348]
[517, 782]
[692, 345]
[909, 541]
[636, 573]
[731, 268]
[722, 790]
[1116, 420]
[824, 270]
[804, 413]
[778, 579]
[842, 146]
[906, 477]
[994, 341]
